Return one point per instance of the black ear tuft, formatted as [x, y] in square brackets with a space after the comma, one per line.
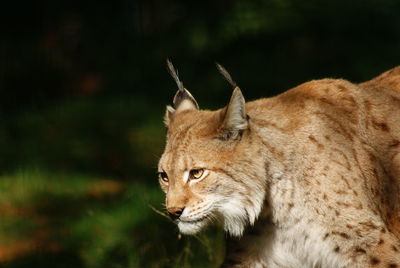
[174, 73]
[226, 75]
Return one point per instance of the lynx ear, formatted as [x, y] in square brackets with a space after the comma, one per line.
[183, 100]
[235, 118]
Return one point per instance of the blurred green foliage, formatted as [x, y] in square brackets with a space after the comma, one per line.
[83, 88]
[67, 220]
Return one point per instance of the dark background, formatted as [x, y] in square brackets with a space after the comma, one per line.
[83, 88]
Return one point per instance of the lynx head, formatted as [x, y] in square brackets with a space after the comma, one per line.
[207, 169]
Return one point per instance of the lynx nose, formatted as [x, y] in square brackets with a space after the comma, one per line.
[175, 212]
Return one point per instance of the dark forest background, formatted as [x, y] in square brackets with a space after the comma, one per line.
[83, 88]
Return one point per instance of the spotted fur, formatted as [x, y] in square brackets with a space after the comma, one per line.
[309, 178]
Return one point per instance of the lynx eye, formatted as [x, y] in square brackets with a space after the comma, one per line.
[196, 174]
[163, 177]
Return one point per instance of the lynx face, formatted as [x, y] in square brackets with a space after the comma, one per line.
[202, 174]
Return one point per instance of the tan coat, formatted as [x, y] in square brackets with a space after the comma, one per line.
[309, 178]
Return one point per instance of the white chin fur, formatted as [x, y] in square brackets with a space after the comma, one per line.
[234, 224]
[191, 228]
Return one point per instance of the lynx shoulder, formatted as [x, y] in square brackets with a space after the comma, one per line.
[309, 178]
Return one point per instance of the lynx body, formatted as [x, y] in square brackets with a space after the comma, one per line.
[309, 178]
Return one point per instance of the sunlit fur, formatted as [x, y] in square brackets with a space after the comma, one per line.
[310, 178]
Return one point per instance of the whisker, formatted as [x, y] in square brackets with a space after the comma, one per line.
[159, 212]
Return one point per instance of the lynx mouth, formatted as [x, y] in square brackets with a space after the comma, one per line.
[192, 221]
[190, 227]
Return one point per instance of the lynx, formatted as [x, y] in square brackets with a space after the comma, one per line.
[309, 178]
